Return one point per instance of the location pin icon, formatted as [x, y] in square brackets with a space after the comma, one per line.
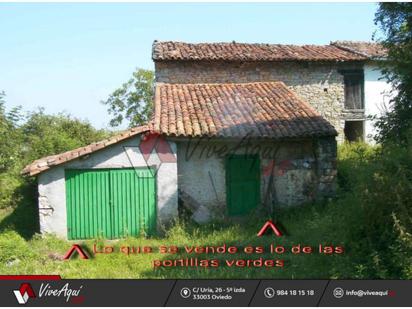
[185, 292]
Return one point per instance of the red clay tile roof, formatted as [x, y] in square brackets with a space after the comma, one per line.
[262, 109]
[45, 163]
[367, 49]
[250, 52]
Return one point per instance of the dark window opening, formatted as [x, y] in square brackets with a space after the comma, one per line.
[354, 131]
[354, 89]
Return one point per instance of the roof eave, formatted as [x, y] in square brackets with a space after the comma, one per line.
[41, 165]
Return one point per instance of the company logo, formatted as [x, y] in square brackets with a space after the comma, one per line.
[156, 150]
[24, 293]
[154, 141]
[152, 151]
[65, 291]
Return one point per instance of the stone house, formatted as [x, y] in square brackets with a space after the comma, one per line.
[237, 129]
[342, 80]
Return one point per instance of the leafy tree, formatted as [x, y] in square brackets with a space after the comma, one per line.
[395, 21]
[45, 135]
[26, 138]
[9, 151]
[10, 137]
[133, 101]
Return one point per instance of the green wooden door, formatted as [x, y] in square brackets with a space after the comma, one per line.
[133, 202]
[110, 203]
[242, 184]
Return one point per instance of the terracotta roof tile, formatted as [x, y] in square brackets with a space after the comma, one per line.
[367, 49]
[265, 109]
[250, 52]
[45, 163]
[262, 109]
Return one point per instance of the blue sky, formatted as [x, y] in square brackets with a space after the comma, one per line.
[69, 57]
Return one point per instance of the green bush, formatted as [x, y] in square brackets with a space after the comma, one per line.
[353, 159]
[9, 182]
[377, 182]
[45, 135]
[13, 247]
[29, 137]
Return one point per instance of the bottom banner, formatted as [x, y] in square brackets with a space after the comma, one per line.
[54, 291]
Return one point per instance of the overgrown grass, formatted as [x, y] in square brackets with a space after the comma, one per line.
[370, 218]
[309, 225]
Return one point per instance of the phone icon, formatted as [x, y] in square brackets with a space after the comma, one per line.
[269, 292]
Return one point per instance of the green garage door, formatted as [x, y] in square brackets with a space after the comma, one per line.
[110, 203]
[242, 184]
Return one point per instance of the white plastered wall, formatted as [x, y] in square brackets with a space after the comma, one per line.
[377, 98]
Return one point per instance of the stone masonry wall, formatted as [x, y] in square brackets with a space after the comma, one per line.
[326, 152]
[320, 84]
[289, 171]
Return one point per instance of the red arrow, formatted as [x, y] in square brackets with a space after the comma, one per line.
[79, 250]
[269, 224]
